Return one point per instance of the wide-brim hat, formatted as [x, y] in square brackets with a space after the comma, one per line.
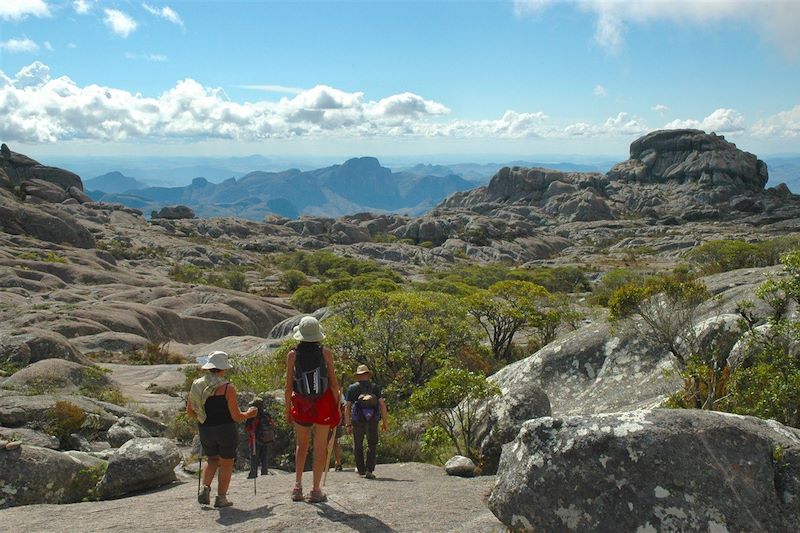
[308, 330]
[217, 360]
[363, 369]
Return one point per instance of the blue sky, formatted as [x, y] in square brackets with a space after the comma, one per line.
[394, 78]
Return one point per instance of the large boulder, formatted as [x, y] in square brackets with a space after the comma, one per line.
[123, 430]
[138, 465]
[32, 344]
[59, 375]
[40, 475]
[501, 418]
[460, 466]
[659, 470]
[174, 212]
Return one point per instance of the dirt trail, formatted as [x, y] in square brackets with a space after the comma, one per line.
[133, 381]
[406, 497]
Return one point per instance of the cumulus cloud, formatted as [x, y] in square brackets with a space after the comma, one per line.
[660, 108]
[15, 46]
[166, 13]
[271, 88]
[721, 121]
[599, 90]
[775, 21]
[119, 22]
[82, 7]
[39, 108]
[622, 124]
[20, 9]
[785, 124]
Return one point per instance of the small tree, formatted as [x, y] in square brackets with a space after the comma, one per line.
[507, 307]
[450, 399]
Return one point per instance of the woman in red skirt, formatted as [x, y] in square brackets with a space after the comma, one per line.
[310, 394]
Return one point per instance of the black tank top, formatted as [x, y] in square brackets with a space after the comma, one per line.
[217, 412]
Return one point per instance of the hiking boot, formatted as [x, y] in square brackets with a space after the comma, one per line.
[222, 501]
[253, 474]
[297, 493]
[264, 472]
[338, 467]
[204, 496]
[369, 475]
[316, 496]
[360, 473]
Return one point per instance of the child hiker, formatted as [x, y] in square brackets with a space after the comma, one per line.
[261, 433]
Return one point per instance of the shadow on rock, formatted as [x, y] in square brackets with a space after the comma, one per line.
[356, 521]
[231, 515]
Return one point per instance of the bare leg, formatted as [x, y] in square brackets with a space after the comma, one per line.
[301, 451]
[337, 454]
[224, 480]
[211, 468]
[320, 453]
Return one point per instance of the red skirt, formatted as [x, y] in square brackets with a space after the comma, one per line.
[323, 410]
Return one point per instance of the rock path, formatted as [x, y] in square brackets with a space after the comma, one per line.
[406, 497]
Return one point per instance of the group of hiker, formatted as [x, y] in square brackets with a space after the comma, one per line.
[314, 405]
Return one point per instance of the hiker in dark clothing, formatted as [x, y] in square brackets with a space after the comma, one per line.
[261, 433]
[364, 407]
[212, 401]
[311, 393]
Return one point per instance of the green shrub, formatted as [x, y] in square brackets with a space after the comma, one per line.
[292, 279]
[182, 428]
[64, 419]
[88, 479]
[613, 280]
[157, 354]
[724, 255]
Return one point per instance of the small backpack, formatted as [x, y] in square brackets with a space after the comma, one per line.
[365, 408]
[265, 432]
[310, 370]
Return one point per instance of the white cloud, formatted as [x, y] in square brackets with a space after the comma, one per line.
[599, 90]
[775, 21]
[82, 7]
[72, 45]
[153, 58]
[660, 108]
[785, 124]
[48, 46]
[622, 124]
[166, 12]
[721, 121]
[40, 109]
[19, 9]
[16, 46]
[119, 22]
[271, 88]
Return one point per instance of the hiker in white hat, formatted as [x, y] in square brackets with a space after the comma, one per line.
[212, 401]
[311, 394]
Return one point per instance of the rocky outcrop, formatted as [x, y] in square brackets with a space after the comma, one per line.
[138, 465]
[22, 171]
[32, 344]
[661, 470]
[59, 375]
[174, 212]
[500, 419]
[40, 475]
[124, 430]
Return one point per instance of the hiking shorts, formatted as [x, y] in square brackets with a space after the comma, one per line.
[219, 441]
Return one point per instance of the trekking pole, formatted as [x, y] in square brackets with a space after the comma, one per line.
[199, 473]
[252, 456]
[331, 439]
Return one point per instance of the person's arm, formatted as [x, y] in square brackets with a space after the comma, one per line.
[331, 373]
[233, 406]
[348, 424]
[190, 410]
[288, 385]
[384, 414]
